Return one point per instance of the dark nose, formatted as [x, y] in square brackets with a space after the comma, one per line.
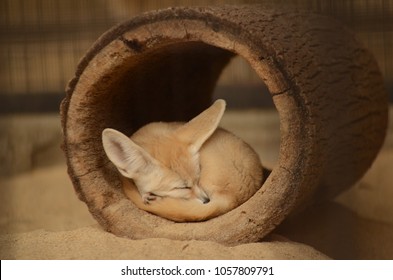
[206, 200]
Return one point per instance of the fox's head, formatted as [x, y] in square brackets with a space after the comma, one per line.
[165, 163]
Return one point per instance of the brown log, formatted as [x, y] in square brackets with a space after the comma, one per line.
[163, 66]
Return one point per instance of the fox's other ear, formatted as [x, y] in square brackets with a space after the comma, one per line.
[128, 157]
[200, 128]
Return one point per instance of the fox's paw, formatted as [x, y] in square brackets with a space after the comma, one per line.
[149, 197]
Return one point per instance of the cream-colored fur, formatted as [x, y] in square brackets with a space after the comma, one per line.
[185, 171]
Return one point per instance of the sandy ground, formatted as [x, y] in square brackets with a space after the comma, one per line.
[41, 217]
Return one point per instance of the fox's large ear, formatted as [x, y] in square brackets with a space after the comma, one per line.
[200, 128]
[128, 157]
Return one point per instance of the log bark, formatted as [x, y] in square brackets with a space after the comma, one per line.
[163, 66]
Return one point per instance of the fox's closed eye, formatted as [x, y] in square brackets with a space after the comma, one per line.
[184, 187]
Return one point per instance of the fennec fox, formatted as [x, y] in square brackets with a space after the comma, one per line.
[185, 171]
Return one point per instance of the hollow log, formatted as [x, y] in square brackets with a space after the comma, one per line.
[163, 66]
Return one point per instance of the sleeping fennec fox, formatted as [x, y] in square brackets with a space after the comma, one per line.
[185, 171]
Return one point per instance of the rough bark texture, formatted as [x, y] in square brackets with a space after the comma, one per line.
[164, 65]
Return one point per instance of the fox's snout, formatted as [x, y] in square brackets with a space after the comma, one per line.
[201, 195]
[206, 200]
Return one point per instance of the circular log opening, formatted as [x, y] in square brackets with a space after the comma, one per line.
[163, 66]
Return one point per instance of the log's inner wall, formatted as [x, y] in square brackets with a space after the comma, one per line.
[171, 83]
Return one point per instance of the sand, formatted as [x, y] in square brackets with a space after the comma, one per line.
[94, 243]
[42, 218]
